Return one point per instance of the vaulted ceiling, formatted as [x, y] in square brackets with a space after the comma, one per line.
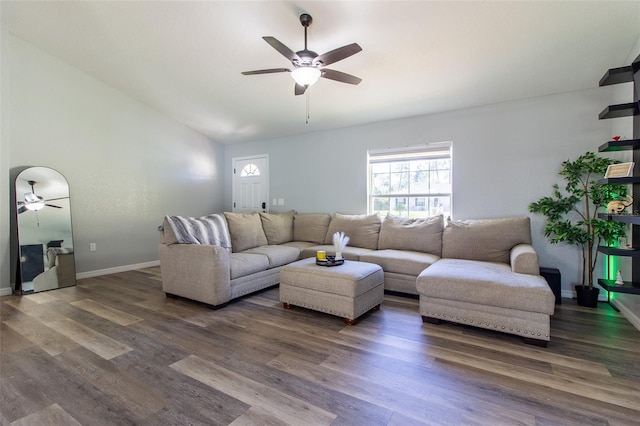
[184, 58]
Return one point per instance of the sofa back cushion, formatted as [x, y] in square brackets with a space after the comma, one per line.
[362, 230]
[488, 240]
[415, 234]
[208, 230]
[278, 228]
[311, 227]
[246, 231]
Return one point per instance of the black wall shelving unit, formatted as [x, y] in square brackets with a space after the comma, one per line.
[625, 74]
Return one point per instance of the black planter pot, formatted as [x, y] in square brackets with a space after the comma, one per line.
[586, 297]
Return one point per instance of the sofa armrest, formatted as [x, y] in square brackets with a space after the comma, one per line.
[524, 260]
[197, 272]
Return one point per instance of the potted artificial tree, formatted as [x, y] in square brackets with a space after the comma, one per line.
[572, 216]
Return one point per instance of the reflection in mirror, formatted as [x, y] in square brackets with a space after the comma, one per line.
[46, 259]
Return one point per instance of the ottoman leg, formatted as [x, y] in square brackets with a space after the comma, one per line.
[431, 320]
[287, 305]
[349, 321]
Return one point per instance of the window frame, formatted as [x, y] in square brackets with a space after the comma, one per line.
[430, 151]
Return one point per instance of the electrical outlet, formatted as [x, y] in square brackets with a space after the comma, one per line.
[92, 247]
[281, 201]
[274, 202]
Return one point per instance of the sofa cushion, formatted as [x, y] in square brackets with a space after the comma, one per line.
[245, 230]
[299, 245]
[362, 230]
[311, 227]
[490, 240]
[242, 264]
[415, 234]
[278, 228]
[400, 261]
[485, 283]
[278, 255]
[207, 230]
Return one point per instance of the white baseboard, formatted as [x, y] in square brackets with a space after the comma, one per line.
[6, 291]
[117, 269]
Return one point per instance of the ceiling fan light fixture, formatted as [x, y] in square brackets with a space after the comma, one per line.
[35, 206]
[306, 76]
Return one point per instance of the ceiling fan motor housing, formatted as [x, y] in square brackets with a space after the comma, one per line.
[306, 19]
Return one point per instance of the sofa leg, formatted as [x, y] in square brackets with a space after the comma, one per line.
[287, 305]
[535, 342]
[431, 320]
[349, 321]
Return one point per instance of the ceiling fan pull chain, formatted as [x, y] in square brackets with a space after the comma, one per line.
[308, 115]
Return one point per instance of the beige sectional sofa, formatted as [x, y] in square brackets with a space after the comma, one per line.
[481, 266]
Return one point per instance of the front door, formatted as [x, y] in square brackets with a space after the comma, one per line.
[251, 184]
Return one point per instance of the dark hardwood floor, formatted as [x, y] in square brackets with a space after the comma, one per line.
[115, 351]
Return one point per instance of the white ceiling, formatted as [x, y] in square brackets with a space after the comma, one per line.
[185, 58]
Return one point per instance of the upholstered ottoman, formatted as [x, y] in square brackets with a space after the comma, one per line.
[348, 290]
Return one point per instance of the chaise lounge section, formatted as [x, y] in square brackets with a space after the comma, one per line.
[489, 278]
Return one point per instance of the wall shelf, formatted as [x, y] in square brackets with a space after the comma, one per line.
[617, 76]
[627, 287]
[624, 145]
[620, 180]
[624, 218]
[620, 110]
[628, 74]
[616, 251]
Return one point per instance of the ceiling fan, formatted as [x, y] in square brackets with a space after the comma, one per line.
[35, 202]
[308, 66]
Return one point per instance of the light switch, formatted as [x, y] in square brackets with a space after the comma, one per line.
[274, 202]
[281, 201]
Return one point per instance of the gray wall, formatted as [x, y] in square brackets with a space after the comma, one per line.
[127, 164]
[504, 157]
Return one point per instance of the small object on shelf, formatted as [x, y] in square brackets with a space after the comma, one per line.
[619, 170]
[321, 256]
[616, 138]
[618, 206]
[619, 280]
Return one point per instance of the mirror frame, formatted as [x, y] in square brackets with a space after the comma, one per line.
[42, 240]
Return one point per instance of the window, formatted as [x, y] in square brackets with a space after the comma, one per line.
[250, 170]
[412, 182]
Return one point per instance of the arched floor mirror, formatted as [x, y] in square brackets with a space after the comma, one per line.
[45, 238]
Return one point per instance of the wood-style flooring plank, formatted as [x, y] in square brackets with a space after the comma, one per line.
[96, 342]
[106, 312]
[51, 415]
[289, 409]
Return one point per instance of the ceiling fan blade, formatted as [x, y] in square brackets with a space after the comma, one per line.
[51, 205]
[22, 209]
[337, 54]
[300, 89]
[340, 76]
[267, 71]
[54, 199]
[284, 50]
